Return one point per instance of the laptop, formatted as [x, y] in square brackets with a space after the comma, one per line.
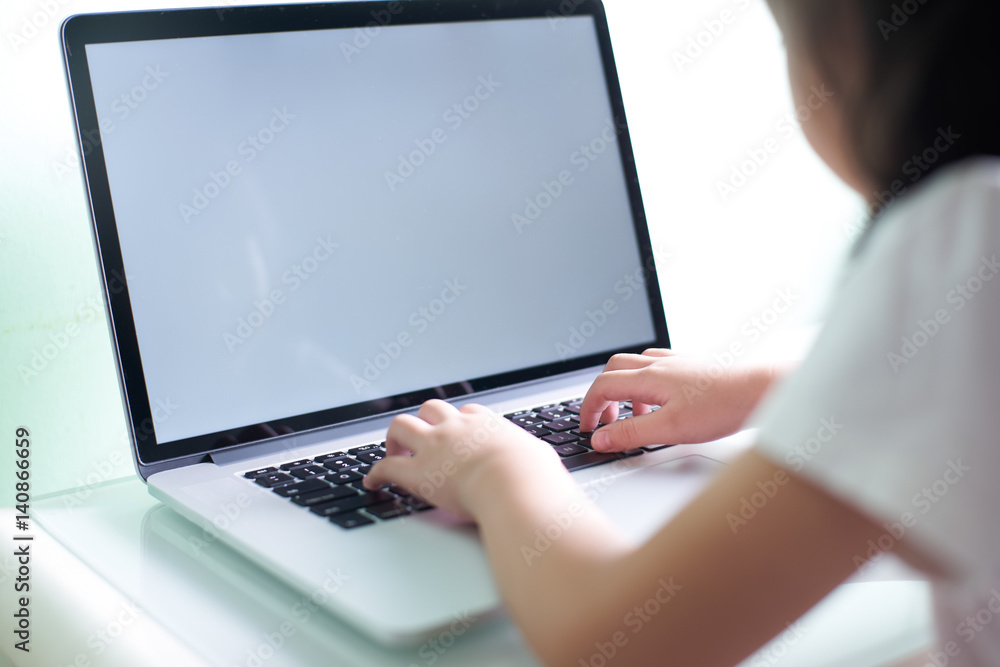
[312, 218]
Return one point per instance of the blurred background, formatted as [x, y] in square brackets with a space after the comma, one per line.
[708, 106]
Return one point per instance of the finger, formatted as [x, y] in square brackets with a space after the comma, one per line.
[612, 387]
[629, 434]
[609, 416]
[393, 470]
[658, 353]
[474, 408]
[639, 408]
[406, 433]
[436, 411]
[621, 362]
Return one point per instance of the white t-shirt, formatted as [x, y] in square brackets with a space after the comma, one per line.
[897, 408]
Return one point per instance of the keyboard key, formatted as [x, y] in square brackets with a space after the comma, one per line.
[560, 438]
[588, 460]
[323, 458]
[289, 490]
[340, 463]
[305, 472]
[343, 476]
[363, 469]
[553, 414]
[528, 420]
[572, 409]
[576, 402]
[376, 447]
[560, 425]
[388, 510]
[352, 503]
[296, 464]
[371, 457]
[375, 497]
[274, 479]
[417, 504]
[536, 431]
[519, 413]
[260, 472]
[323, 495]
[351, 520]
[569, 449]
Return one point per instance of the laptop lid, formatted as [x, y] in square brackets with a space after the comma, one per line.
[313, 214]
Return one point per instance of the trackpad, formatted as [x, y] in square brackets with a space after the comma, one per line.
[641, 502]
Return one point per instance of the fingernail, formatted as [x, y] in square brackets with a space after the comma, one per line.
[600, 440]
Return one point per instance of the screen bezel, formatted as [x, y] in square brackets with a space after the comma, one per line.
[81, 30]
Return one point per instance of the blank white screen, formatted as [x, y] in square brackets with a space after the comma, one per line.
[308, 131]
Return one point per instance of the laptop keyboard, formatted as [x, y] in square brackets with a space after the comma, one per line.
[330, 485]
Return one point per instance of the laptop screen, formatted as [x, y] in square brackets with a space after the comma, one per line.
[319, 219]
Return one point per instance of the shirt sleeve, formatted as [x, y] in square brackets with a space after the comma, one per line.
[896, 411]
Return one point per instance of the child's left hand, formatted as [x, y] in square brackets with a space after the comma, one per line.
[458, 459]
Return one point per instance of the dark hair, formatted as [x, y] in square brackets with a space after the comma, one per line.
[930, 68]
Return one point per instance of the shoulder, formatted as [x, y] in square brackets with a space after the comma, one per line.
[905, 375]
[953, 213]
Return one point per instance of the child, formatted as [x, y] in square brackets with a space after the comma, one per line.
[888, 434]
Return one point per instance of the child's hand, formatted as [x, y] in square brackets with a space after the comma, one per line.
[455, 458]
[699, 400]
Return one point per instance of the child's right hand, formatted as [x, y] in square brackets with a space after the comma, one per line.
[699, 400]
